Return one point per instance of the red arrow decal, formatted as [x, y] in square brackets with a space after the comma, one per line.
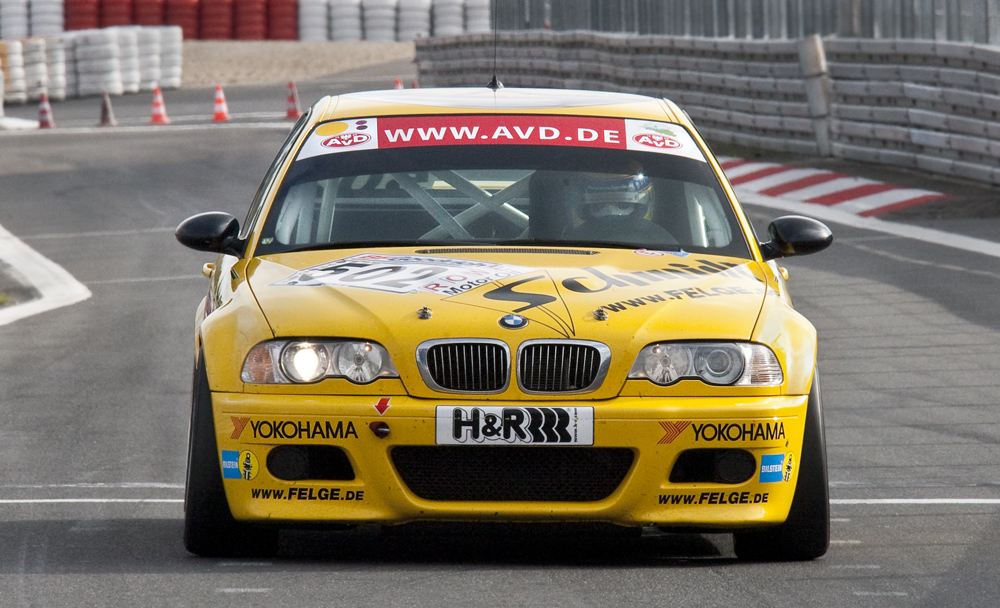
[238, 425]
[673, 430]
[382, 405]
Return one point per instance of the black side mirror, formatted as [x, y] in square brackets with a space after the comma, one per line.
[795, 235]
[215, 231]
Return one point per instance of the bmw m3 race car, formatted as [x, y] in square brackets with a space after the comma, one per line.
[509, 305]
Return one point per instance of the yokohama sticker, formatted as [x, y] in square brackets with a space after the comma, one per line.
[463, 425]
[494, 129]
[403, 274]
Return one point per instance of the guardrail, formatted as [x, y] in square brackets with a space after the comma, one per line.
[921, 104]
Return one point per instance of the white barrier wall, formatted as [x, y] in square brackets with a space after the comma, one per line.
[749, 92]
[934, 106]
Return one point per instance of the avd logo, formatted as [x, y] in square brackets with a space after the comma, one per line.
[346, 140]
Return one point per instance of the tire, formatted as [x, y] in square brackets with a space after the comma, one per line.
[805, 535]
[209, 527]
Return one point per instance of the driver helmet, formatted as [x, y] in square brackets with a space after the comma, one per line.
[607, 195]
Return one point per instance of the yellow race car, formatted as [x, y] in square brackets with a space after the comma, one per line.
[502, 305]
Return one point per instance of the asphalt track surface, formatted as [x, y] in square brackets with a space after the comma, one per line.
[94, 407]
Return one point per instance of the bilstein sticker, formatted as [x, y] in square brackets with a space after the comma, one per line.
[239, 465]
[521, 129]
[461, 425]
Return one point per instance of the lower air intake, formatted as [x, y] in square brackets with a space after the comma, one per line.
[521, 474]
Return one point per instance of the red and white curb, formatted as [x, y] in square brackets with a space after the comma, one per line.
[846, 193]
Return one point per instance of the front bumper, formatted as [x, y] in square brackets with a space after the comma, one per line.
[655, 430]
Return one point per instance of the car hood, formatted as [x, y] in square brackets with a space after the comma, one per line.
[403, 297]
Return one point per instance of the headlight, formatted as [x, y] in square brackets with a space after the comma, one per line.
[717, 363]
[305, 361]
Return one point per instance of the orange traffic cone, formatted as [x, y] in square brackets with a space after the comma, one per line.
[107, 114]
[159, 109]
[221, 108]
[414, 85]
[294, 111]
[399, 83]
[45, 120]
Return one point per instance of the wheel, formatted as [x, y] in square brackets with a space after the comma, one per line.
[805, 535]
[209, 527]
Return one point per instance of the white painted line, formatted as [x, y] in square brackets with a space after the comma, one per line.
[45, 501]
[915, 501]
[244, 590]
[881, 593]
[243, 564]
[882, 199]
[57, 287]
[831, 187]
[748, 168]
[917, 233]
[780, 178]
[856, 567]
[90, 235]
[845, 542]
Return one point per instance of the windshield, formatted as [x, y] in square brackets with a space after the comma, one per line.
[501, 195]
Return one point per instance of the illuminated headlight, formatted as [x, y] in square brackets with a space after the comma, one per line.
[718, 363]
[305, 361]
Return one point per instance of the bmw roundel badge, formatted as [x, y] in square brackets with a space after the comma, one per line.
[513, 321]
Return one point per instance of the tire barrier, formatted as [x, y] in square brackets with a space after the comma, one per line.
[477, 17]
[449, 17]
[250, 20]
[149, 12]
[379, 19]
[12, 64]
[345, 20]
[931, 106]
[283, 19]
[128, 45]
[98, 63]
[114, 13]
[183, 13]
[216, 20]
[413, 20]
[82, 14]
[348, 20]
[14, 19]
[47, 18]
[149, 57]
[314, 19]
[55, 64]
[36, 69]
[91, 62]
[171, 56]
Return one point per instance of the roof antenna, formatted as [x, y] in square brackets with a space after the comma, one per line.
[495, 83]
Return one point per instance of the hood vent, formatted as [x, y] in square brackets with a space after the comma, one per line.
[528, 250]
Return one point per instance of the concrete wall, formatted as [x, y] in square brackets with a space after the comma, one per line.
[923, 104]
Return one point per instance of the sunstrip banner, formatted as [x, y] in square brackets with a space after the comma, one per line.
[526, 130]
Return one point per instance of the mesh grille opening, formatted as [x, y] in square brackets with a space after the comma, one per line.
[502, 474]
